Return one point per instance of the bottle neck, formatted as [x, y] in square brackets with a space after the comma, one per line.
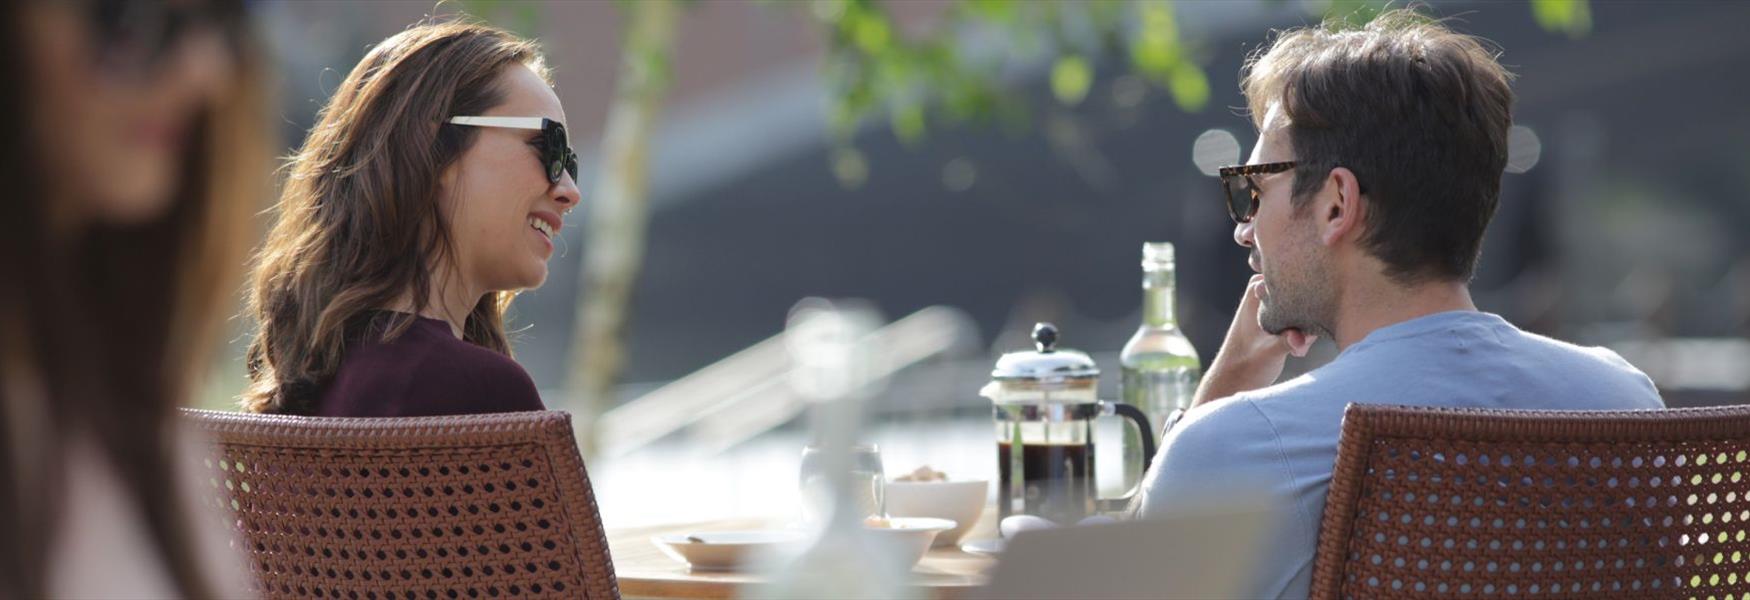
[1157, 298]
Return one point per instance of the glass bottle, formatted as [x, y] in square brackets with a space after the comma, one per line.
[1159, 367]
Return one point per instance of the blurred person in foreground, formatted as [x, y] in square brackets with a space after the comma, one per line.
[429, 192]
[1377, 168]
[133, 152]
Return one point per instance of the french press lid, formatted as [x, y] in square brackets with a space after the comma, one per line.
[1047, 373]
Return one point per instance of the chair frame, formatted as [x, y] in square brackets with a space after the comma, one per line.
[549, 430]
[1364, 425]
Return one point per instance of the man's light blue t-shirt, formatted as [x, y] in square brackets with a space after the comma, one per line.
[1281, 441]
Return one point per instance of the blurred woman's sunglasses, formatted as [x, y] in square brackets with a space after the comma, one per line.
[556, 155]
[135, 36]
[1242, 192]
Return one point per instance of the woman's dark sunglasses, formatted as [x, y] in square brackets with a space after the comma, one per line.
[134, 36]
[1242, 192]
[556, 155]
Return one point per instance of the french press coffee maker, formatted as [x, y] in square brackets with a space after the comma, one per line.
[1045, 405]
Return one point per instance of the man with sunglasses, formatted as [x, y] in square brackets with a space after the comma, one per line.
[1377, 169]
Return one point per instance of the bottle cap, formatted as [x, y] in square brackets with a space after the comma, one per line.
[1157, 255]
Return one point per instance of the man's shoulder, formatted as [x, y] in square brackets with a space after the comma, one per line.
[1599, 373]
[1320, 392]
[1226, 447]
[1312, 384]
[1500, 367]
[1225, 414]
[1231, 429]
[1580, 356]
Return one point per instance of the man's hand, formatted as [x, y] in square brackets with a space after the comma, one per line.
[1250, 358]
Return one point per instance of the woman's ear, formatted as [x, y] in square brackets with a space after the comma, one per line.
[447, 180]
[1341, 215]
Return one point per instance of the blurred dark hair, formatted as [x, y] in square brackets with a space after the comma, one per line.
[104, 334]
[1419, 113]
[360, 222]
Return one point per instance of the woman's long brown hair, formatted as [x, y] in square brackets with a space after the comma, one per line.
[361, 224]
[103, 335]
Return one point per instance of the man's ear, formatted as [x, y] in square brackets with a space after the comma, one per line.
[1342, 209]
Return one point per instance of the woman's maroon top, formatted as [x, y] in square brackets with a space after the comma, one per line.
[426, 371]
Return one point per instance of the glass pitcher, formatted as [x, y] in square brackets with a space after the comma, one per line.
[1045, 403]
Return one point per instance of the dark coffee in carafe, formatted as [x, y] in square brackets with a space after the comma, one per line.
[1057, 481]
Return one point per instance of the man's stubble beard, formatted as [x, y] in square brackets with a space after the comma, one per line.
[1304, 300]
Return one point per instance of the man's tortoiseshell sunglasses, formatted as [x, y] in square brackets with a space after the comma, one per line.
[1242, 191]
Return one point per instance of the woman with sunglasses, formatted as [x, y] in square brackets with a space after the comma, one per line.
[133, 147]
[429, 192]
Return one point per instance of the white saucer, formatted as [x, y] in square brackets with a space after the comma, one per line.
[991, 547]
[722, 550]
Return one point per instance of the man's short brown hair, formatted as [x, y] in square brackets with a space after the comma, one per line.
[1419, 113]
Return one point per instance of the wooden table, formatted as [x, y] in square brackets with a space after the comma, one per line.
[645, 572]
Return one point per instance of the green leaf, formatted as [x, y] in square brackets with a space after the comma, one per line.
[1105, 14]
[995, 11]
[651, 73]
[528, 19]
[520, 18]
[1189, 86]
[970, 98]
[1070, 79]
[1155, 61]
[1156, 50]
[1353, 14]
[1573, 17]
[871, 32]
[908, 122]
[1158, 23]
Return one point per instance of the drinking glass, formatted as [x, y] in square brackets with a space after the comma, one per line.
[867, 489]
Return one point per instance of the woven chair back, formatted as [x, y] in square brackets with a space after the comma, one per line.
[427, 508]
[1446, 503]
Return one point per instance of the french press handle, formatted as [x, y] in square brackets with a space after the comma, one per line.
[1135, 416]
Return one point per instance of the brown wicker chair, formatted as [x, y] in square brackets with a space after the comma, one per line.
[1444, 503]
[480, 506]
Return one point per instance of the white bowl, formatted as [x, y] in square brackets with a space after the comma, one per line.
[722, 550]
[959, 501]
[909, 538]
